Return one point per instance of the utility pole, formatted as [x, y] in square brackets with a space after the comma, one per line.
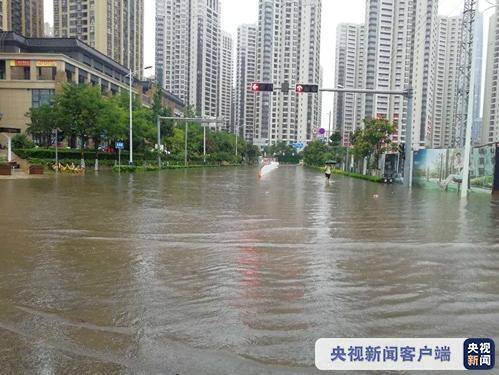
[57, 148]
[158, 125]
[185, 147]
[329, 129]
[204, 143]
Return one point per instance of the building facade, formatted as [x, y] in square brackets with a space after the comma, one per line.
[105, 26]
[401, 49]
[226, 78]
[490, 127]
[388, 60]
[244, 98]
[288, 41]
[446, 82]
[32, 69]
[188, 43]
[349, 63]
[22, 16]
[3, 16]
[478, 61]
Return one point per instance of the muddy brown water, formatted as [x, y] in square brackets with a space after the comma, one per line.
[217, 272]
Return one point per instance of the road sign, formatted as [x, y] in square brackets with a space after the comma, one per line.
[10, 130]
[120, 145]
[321, 131]
[306, 88]
[262, 87]
[298, 145]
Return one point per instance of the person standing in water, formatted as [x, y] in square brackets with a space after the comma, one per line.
[328, 172]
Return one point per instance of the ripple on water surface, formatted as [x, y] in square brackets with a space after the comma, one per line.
[139, 272]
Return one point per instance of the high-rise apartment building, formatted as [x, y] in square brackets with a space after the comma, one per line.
[401, 39]
[245, 99]
[388, 59]
[478, 61]
[226, 78]
[288, 41]
[349, 74]
[423, 70]
[113, 27]
[490, 126]
[3, 16]
[446, 82]
[22, 16]
[48, 30]
[188, 55]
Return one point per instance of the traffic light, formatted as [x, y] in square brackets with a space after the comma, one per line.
[305, 88]
[262, 87]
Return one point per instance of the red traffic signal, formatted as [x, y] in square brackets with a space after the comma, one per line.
[262, 87]
[304, 88]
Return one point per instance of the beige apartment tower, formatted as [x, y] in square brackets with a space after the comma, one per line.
[22, 16]
[105, 26]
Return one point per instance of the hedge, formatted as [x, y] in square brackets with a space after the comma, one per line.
[139, 158]
[350, 174]
[74, 154]
[152, 168]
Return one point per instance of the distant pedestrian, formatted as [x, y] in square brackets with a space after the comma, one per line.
[328, 172]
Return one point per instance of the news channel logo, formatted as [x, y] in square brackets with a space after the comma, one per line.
[404, 354]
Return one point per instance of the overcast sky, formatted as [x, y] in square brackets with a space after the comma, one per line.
[236, 12]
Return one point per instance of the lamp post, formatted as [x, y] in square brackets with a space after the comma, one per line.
[198, 120]
[130, 75]
[237, 133]
[57, 148]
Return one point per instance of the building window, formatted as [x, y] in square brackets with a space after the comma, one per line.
[82, 78]
[46, 73]
[40, 97]
[19, 72]
[2, 69]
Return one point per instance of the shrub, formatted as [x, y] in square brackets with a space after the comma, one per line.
[21, 141]
[74, 154]
[125, 168]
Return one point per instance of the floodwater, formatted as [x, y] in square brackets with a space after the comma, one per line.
[217, 272]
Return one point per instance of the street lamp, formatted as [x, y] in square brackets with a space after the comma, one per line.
[130, 75]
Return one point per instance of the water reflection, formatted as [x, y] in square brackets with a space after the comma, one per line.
[139, 273]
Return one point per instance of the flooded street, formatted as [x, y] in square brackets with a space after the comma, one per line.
[217, 272]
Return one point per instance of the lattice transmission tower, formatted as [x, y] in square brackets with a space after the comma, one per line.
[464, 72]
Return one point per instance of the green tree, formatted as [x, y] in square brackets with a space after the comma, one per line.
[43, 124]
[112, 121]
[373, 140]
[316, 153]
[284, 152]
[336, 139]
[78, 107]
[252, 153]
[21, 141]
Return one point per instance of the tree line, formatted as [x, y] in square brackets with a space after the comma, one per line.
[87, 120]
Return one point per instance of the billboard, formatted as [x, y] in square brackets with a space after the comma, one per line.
[443, 168]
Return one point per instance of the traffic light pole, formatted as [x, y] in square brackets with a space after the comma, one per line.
[302, 88]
